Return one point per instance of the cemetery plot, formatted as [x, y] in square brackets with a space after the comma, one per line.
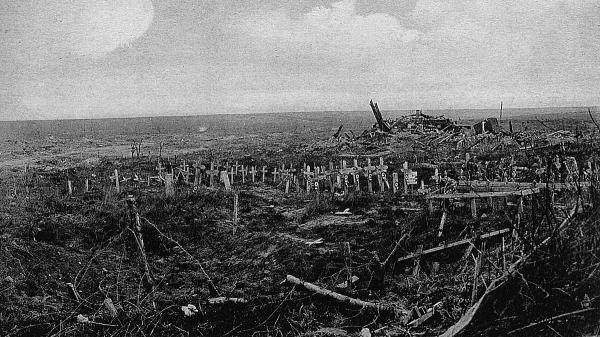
[423, 231]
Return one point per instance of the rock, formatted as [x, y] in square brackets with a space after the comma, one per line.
[82, 319]
[189, 310]
[365, 332]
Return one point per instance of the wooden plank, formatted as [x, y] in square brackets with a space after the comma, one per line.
[455, 244]
[472, 195]
[225, 180]
[521, 185]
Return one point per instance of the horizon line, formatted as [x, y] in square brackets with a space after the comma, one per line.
[292, 112]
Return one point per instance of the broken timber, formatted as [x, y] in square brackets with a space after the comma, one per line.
[382, 124]
[343, 298]
[454, 244]
[473, 195]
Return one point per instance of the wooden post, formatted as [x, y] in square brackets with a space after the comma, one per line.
[87, 185]
[474, 208]
[243, 174]
[69, 187]
[317, 191]
[169, 188]
[476, 274]
[117, 181]
[253, 173]
[348, 262]
[395, 182]
[136, 227]
[232, 174]
[197, 177]
[503, 249]
[275, 174]
[264, 171]
[519, 210]
[442, 222]
[235, 210]
[417, 261]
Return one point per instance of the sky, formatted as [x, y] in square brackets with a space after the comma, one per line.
[125, 58]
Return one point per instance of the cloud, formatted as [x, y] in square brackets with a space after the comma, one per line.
[42, 32]
[103, 26]
[335, 32]
[465, 53]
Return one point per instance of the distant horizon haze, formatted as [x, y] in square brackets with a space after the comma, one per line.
[457, 113]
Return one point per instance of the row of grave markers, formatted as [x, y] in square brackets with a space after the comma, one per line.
[314, 178]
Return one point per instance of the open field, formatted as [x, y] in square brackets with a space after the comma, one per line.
[491, 230]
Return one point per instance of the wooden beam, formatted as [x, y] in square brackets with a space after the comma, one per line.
[454, 244]
[475, 195]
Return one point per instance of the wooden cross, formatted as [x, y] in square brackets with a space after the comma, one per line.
[369, 169]
[285, 176]
[275, 173]
[212, 173]
[185, 167]
[395, 182]
[405, 171]
[356, 175]
[160, 168]
[330, 174]
[253, 173]
[307, 176]
[243, 174]
[236, 168]
[345, 171]
[116, 179]
[264, 171]
[232, 174]
[382, 176]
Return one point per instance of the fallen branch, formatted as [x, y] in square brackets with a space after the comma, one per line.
[548, 320]
[345, 299]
